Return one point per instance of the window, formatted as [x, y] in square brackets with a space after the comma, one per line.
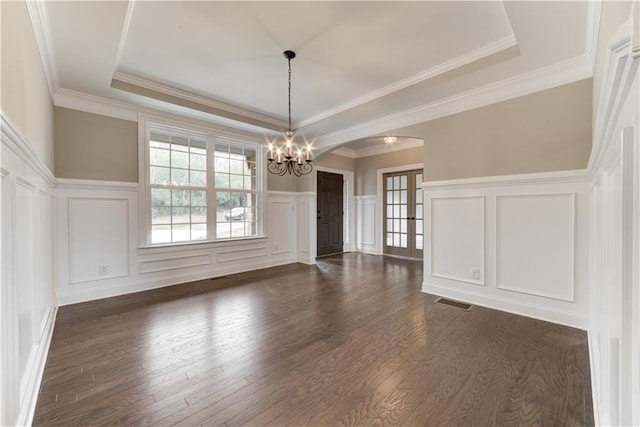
[178, 181]
[201, 187]
[236, 190]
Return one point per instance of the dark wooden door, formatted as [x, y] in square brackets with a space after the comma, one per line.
[330, 213]
[403, 214]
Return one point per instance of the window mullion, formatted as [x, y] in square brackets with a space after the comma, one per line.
[212, 209]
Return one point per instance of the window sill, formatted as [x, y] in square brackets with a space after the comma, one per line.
[205, 244]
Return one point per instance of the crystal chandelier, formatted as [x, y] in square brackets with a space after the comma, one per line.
[289, 158]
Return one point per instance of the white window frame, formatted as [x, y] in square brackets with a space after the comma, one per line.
[211, 134]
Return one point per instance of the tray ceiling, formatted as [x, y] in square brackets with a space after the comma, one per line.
[357, 61]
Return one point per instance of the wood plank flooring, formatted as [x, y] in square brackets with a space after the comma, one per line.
[350, 341]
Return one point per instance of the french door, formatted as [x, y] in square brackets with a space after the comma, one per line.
[403, 214]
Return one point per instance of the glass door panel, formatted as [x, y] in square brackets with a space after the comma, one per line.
[400, 223]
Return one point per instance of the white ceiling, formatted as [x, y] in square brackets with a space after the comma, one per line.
[362, 68]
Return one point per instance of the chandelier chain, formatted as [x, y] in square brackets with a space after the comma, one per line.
[289, 98]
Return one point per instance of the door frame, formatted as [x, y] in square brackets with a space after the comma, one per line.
[349, 219]
[379, 200]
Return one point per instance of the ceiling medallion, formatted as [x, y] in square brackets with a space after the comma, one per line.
[288, 158]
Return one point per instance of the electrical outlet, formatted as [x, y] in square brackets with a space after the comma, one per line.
[103, 269]
[475, 273]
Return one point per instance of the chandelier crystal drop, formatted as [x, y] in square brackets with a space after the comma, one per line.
[288, 157]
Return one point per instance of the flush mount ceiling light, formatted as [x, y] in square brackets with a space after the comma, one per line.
[390, 139]
[288, 158]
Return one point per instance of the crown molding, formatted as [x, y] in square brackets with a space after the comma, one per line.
[13, 139]
[87, 103]
[42, 31]
[80, 101]
[554, 75]
[195, 100]
[452, 64]
[379, 148]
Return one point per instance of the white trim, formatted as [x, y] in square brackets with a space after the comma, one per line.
[129, 287]
[595, 386]
[379, 198]
[85, 102]
[28, 409]
[559, 177]
[575, 320]
[379, 147]
[264, 120]
[42, 31]
[13, 139]
[558, 74]
[123, 35]
[212, 134]
[457, 62]
[621, 71]
[89, 184]
[572, 257]
[594, 12]
[67, 98]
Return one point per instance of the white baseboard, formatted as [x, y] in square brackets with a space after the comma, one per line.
[28, 409]
[131, 287]
[593, 358]
[306, 260]
[574, 320]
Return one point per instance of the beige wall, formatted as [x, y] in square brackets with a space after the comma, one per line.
[327, 160]
[294, 183]
[282, 183]
[25, 95]
[614, 14]
[367, 167]
[541, 132]
[90, 146]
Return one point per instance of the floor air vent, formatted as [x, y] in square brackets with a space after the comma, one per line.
[457, 304]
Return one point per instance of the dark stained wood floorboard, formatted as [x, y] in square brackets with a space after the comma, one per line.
[350, 341]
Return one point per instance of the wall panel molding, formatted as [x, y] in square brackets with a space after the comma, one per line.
[27, 302]
[548, 238]
[531, 239]
[458, 239]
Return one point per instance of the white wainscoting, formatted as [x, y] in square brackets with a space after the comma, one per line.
[546, 222]
[457, 238]
[27, 304]
[523, 238]
[305, 223]
[614, 167]
[367, 237]
[99, 257]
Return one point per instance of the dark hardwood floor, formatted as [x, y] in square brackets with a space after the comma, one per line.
[349, 341]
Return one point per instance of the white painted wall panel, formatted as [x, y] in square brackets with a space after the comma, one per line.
[457, 238]
[535, 244]
[280, 226]
[24, 275]
[367, 239]
[27, 309]
[98, 236]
